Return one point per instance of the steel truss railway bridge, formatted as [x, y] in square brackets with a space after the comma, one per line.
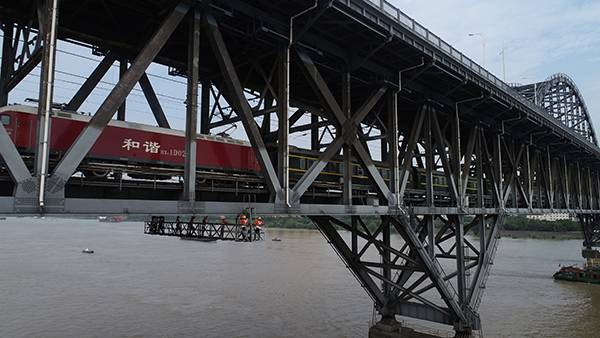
[366, 84]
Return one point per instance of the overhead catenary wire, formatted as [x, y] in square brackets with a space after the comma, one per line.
[98, 103]
[95, 60]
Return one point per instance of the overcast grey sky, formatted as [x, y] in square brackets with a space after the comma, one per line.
[540, 37]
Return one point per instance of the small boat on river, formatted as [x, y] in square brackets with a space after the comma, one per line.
[276, 239]
[90, 251]
[577, 274]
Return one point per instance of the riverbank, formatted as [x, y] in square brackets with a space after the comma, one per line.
[542, 234]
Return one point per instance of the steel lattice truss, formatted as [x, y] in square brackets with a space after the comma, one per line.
[590, 226]
[458, 149]
[409, 275]
[561, 98]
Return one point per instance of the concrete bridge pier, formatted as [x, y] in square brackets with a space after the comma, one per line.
[592, 256]
[389, 327]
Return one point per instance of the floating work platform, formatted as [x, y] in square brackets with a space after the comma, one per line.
[202, 231]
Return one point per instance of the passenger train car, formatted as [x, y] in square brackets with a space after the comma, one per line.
[126, 144]
[301, 160]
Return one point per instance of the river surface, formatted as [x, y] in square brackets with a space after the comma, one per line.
[137, 285]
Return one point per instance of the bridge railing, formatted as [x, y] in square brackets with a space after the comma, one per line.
[443, 52]
[406, 21]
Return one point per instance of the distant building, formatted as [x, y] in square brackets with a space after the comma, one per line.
[551, 217]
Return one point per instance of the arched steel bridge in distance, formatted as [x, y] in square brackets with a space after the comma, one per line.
[561, 98]
[460, 149]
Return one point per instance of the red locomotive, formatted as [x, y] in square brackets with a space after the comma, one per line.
[128, 142]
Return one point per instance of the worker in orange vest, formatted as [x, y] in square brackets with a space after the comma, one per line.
[243, 222]
[222, 228]
[257, 227]
[204, 225]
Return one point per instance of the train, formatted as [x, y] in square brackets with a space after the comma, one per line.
[155, 151]
[301, 160]
[127, 142]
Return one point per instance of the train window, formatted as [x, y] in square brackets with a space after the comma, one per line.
[302, 163]
[294, 162]
[332, 167]
[5, 120]
[341, 168]
[385, 173]
[359, 171]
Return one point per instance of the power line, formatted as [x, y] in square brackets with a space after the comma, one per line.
[112, 84]
[116, 66]
[167, 97]
[97, 103]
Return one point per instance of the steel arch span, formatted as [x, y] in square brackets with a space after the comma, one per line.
[560, 97]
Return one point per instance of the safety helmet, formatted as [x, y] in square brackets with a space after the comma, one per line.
[259, 218]
[244, 216]
[222, 217]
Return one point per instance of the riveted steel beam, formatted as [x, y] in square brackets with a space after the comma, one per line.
[122, 110]
[205, 106]
[84, 142]
[283, 116]
[17, 64]
[348, 133]
[153, 102]
[590, 228]
[427, 262]
[191, 119]
[441, 150]
[393, 144]
[315, 169]
[241, 103]
[92, 81]
[46, 94]
[326, 226]
[24, 70]
[12, 159]
[7, 63]
[409, 145]
[347, 126]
